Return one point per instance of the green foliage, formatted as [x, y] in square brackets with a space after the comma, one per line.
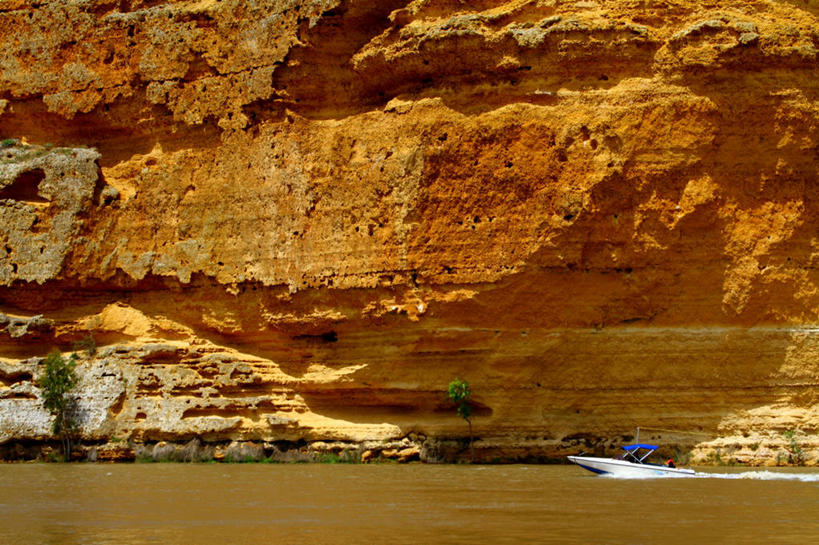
[7, 143]
[795, 453]
[57, 380]
[346, 457]
[459, 394]
[328, 458]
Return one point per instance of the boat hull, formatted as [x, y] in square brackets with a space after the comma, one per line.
[623, 468]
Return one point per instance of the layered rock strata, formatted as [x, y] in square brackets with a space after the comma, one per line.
[295, 222]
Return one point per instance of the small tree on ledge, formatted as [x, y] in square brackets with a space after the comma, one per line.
[56, 382]
[459, 394]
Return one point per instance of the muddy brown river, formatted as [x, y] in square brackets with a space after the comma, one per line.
[328, 504]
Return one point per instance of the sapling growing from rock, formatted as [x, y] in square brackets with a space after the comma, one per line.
[796, 455]
[459, 393]
[57, 380]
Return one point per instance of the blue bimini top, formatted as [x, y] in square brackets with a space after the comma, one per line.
[640, 445]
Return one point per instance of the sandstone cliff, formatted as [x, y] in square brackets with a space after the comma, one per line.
[297, 221]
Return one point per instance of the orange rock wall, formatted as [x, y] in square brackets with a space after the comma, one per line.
[306, 218]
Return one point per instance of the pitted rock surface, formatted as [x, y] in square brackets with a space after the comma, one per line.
[298, 221]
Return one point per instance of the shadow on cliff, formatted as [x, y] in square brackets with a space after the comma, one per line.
[408, 409]
[118, 131]
[316, 78]
[64, 305]
[323, 80]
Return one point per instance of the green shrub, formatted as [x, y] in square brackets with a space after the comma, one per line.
[328, 458]
[346, 457]
[57, 380]
[460, 394]
[795, 453]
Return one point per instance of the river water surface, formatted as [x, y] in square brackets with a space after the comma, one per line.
[384, 504]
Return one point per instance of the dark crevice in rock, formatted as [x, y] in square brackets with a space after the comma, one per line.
[19, 395]
[9, 378]
[317, 78]
[25, 187]
[326, 337]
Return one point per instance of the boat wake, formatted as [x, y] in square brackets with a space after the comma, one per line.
[762, 476]
[745, 475]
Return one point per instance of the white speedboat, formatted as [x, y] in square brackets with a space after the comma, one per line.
[631, 464]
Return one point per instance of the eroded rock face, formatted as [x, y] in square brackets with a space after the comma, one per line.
[97, 395]
[299, 221]
[42, 194]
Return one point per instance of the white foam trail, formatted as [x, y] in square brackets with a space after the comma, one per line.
[763, 476]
